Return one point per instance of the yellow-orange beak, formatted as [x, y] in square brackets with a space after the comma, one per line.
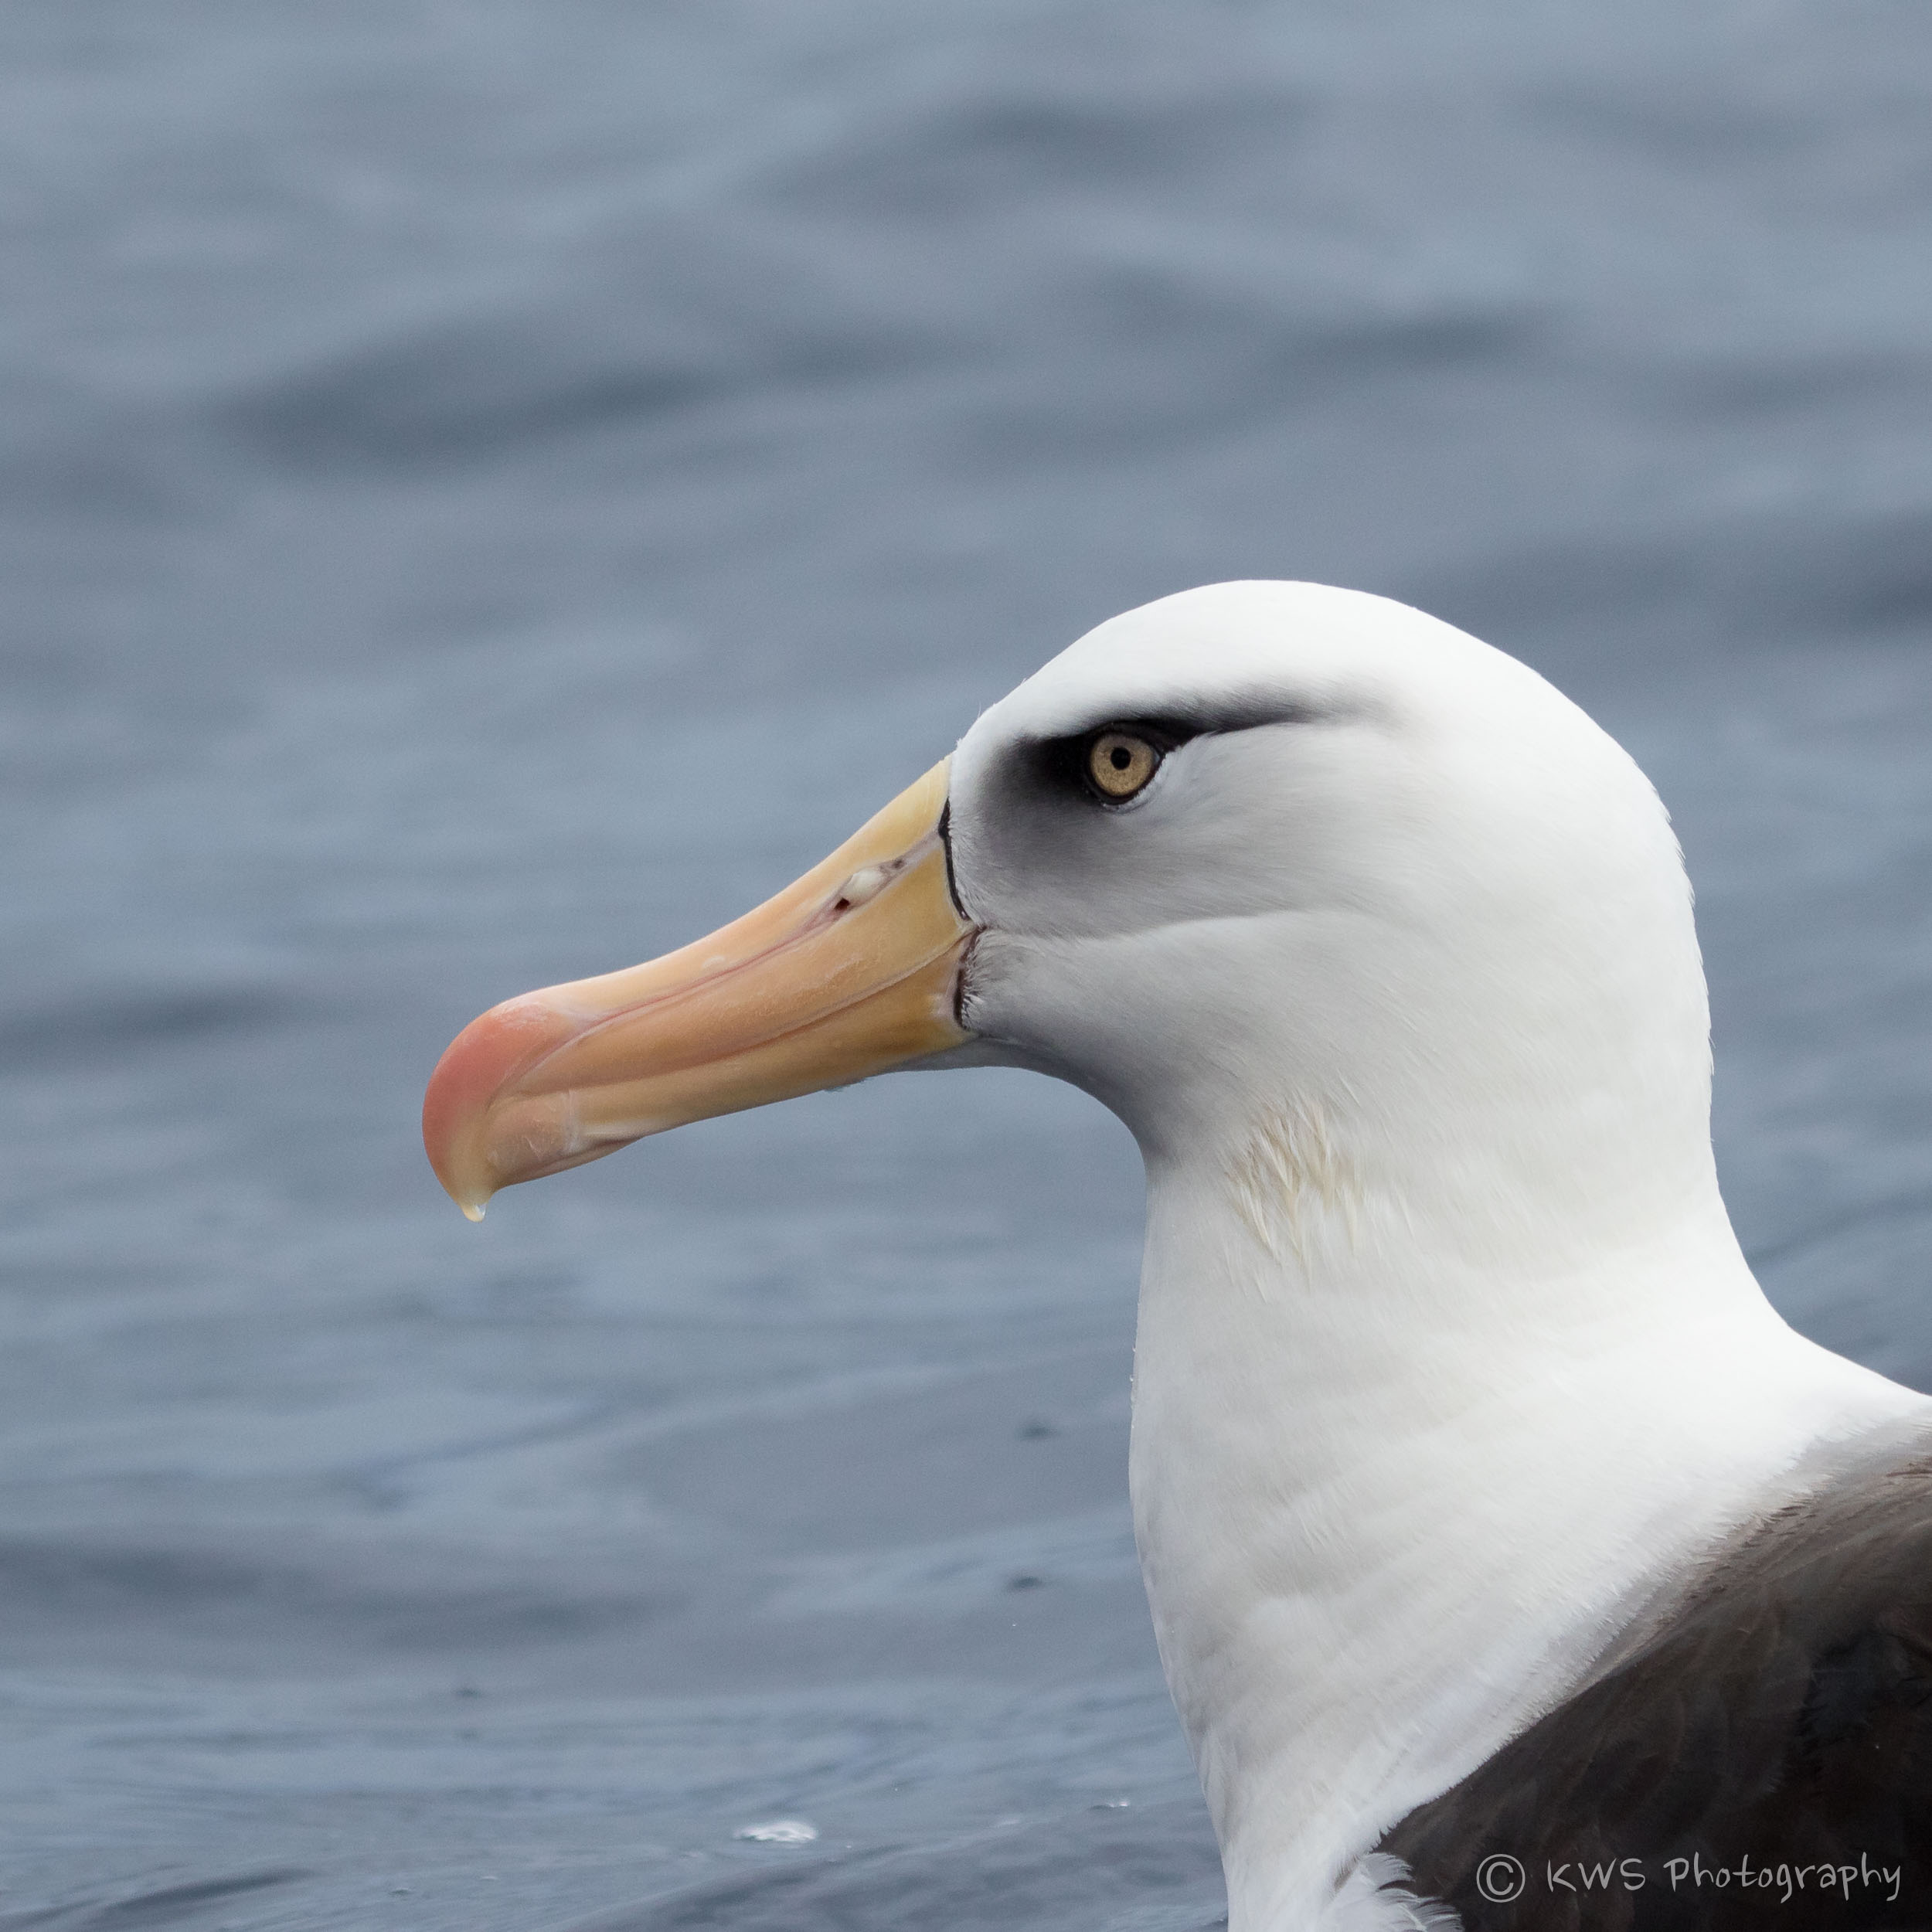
[852, 971]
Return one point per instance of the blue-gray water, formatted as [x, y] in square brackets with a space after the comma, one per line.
[490, 490]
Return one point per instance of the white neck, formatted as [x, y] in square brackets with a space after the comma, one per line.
[1391, 1500]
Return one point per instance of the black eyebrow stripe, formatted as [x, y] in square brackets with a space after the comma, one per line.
[1178, 721]
[1061, 759]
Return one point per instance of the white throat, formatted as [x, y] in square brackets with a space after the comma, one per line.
[1389, 1511]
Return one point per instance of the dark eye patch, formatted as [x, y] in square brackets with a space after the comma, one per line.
[1060, 764]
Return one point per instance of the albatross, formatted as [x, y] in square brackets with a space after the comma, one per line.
[1510, 1561]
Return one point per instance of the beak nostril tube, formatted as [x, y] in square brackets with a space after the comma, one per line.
[864, 885]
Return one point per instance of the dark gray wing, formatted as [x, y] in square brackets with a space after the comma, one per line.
[1779, 1723]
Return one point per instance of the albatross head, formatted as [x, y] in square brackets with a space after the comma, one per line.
[1314, 891]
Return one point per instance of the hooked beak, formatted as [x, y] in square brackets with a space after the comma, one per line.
[851, 971]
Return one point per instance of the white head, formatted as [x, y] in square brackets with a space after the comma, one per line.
[1391, 909]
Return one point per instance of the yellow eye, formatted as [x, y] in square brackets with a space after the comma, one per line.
[1119, 764]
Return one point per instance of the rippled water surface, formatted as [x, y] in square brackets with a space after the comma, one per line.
[489, 491]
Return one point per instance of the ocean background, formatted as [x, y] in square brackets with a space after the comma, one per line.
[488, 490]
